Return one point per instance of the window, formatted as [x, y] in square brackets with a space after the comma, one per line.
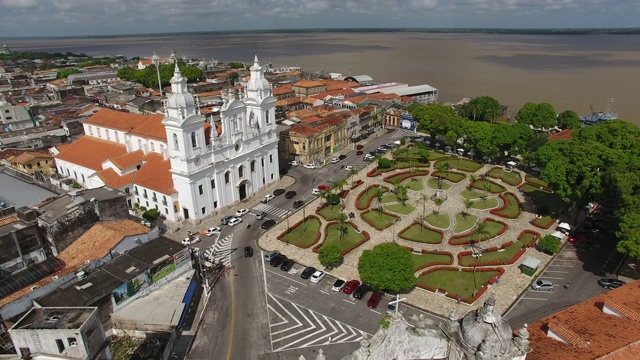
[106, 132]
[75, 175]
[99, 132]
[204, 210]
[72, 341]
[164, 200]
[175, 142]
[266, 116]
[90, 131]
[215, 204]
[82, 177]
[271, 159]
[147, 204]
[161, 149]
[213, 183]
[262, 161]
[241, 171]
[126, 190]
[193, 139]
[153, 146]
[271, 176]
[200, 189]
[166, 211]
[253, 166]
[60, 345]
[139, 143]
[116, 135]
[226, 177]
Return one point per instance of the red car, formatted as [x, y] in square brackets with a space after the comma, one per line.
[578, 239]
[324, 187]
[359, 152]
[359, 147]
[374, 300]
[351, 286]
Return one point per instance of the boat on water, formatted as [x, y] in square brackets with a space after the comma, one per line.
[598, 117]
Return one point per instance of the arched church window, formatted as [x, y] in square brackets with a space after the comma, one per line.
[227, 177]
[193, 139]
[253, 166]
[175, 142]
[139, 143]
[241, 171]
[266, 116]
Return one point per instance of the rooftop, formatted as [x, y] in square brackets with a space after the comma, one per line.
[61, 206]
[54, 318]
[90, 152]
[29, 156]
[142, 125]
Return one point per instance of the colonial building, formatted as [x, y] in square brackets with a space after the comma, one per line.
[178, 163]
[308, 87]
[314, 139]
[30, 162]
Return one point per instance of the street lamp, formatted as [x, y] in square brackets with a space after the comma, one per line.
[156, 61]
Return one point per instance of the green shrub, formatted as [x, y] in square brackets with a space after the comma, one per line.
[151, 215]
[549, 244]
[384, 163]
[330, 254]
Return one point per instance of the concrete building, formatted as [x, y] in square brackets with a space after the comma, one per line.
[13, 118]
[21, 244]
[308, 87]
[424, 94]
[60, 333]
[32, 163]
[314, 139]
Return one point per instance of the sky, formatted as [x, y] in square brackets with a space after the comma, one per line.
[29, 18]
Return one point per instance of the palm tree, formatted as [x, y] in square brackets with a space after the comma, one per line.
[487, 188]
[438, 201]
[482, 232]
[401, 193]
[468, 203]
[379, 195]
[473, 180]
[352, 173]
[442, 167]
[324, 195]
[339, 184]
[343, 229]
[424, 206]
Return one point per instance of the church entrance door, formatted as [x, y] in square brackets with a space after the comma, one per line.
[242, 190]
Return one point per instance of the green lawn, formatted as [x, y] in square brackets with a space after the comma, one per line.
[535, 181]
[400, 165]
[513, 208]
[436, 155]
[485, 204]
[492, 227]
[464, 223]
[389, 198]
[440, 221]
[415, 184]
[544, 198]
[396, 179]
[379, 220]
[405, 209]
[502, 256]
[441, 259]
[493, 187]
[460, 164]
[510, 177]
[331, 212]
[418, 233]
[472, 194]
[369, 194]
[461, 283]
[415, 153]
[305, 234]
[449, 175]
[433, 183]
[348, 240]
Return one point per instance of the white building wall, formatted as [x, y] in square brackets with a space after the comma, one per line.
[79, 173]
[154, 200]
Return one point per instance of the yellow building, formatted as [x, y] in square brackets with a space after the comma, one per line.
[30, 162]
[309, 87]
[313, 140]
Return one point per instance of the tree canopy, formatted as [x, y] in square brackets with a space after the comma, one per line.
[329, 254]
[541, 115]
[149, 76]
[62, 74]
[569, 119]
[483, 108]
[387, 267]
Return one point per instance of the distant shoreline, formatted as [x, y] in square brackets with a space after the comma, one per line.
[505, 31]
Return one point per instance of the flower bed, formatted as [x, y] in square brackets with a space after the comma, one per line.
[460, 164]
[544, 222]
[344, 194]
[397, 166]
[452, 176]
[494, 227]
[494, 188]
[510, 209]
[512, 178]
[404, 175]
[423, 234]
[329, 212]
[459, 284]
[296, 234]
[356, 184]
[379, 220]
[364, 199]
[511, 252]
[349, 242]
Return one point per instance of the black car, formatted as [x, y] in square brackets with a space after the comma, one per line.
[290, 194]
[306, 273]
[361, 291]
[342, 157]
[611, 283]
[248, 251]
[278, 192]
[267, 224]
[287, 265]
[298, 204]
[225, 220]
[277, 260]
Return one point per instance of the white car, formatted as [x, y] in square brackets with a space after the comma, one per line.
[335, 160]
[269, 197]
[349, 167]
[294, 163]
[338, 285]
[190, 240]
[315, 191]
[317, 276]
[234, 221]
[309, 166]
[242, 212]
[214, 230]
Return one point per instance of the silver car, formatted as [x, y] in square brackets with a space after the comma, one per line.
[542, 284]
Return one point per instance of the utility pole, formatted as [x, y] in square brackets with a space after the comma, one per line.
[156, 61]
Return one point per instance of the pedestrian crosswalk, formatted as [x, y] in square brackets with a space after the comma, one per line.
[222, 249]
[271, 210]
[402, 133]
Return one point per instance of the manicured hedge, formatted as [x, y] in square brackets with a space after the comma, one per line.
[480, 292]
[404, 175]
[454, 238]
[427, 228]
[362, 215]
[318, 234]
[434, 263]
[505, 198]
[540, 222]
[376, 171]
[384, 188]
[356, 184]
[495, 187]
[452, 176]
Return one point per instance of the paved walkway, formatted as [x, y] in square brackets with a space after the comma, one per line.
[511, 284]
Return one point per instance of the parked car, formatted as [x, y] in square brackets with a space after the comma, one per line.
[290, 194]
[309, 166]
[248, 251]
[287, 265]
[359, 147]
[235, 221]
[335, 160]
[277, 260]
[294, 163]
[268, 198]
[359, 152]
[214, 230]
[350, 287]
[324, 187]
[298, 204]
[267, 224]
[374, 300]
[542, 284]
[190, 240]
[315, 191]
[361, 291]
[306, 273]
[342, 157]
[242, 212]
[278, 192]
[611, 283]
[260, 215]
[271, 254]
[381, 151]
[225, 220]
[317, 276]
[349, 167]
[338, 285]
[391, 307]
[368, 158]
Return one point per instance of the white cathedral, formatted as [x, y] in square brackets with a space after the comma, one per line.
[179, 164]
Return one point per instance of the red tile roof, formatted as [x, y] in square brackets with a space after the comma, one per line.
[282, 90]
[127, 160]
[340, 84]
[308, 83]
[289, 101]
[28, 156]
[155, 174]
[565, 134]
[590, 333]
[90, 152]
[111, 178]
[141, 125]
[313, 127]
[334, 93]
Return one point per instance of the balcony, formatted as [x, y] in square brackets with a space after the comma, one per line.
[154, 199]
[164, 202]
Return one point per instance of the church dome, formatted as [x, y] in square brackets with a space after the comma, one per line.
[180, 104]
[485, 327]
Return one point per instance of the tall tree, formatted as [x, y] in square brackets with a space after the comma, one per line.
[569, 119]
[387, 267]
